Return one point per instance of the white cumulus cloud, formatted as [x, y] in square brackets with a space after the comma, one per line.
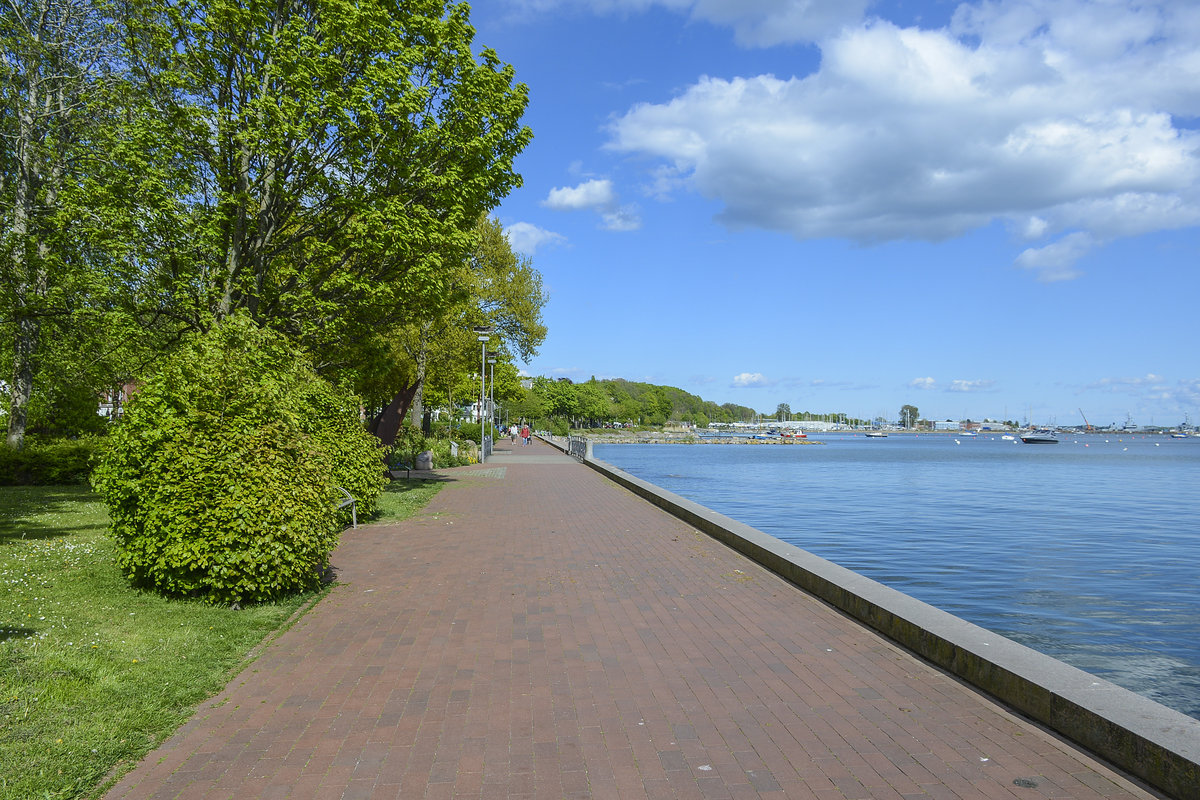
[749, 379]
[1055, 117]
[525, 237]
[1055, 261]
[922, 383]
[596, 195]
[1119, 384]
[591, 194]
[970, 386]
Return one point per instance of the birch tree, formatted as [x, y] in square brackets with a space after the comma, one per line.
[56, 56]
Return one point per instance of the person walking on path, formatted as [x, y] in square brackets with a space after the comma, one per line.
[524, 435]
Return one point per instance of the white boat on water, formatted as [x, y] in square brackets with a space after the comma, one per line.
[1039, 437]
[876, 434]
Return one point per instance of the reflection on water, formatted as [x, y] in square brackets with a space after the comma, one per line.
[1084, 551]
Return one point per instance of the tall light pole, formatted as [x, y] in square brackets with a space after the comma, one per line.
[483, 333]
[492, 393]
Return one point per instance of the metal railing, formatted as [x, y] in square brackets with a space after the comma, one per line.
[485, 450]
[579, 447]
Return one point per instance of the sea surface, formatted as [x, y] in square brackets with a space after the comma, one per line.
[1088, 550]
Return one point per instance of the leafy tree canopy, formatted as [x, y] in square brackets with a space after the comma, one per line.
[342, 153]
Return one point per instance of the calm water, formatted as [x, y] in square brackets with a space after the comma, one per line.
[1088, 550]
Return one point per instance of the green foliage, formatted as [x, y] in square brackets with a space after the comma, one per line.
[410, 441]
[220, 477]
[559, 397]
[58, 462]
[508, 290]
[341, 155]
[469, 431]
[333, 426]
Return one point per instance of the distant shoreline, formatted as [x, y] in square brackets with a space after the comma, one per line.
[692, 439]
[679, 437]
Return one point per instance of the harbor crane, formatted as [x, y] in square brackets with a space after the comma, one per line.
[1087, 426]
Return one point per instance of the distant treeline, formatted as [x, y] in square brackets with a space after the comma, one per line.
[598, 402]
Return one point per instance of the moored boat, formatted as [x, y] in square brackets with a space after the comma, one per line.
[875, 434]
[1039, 437]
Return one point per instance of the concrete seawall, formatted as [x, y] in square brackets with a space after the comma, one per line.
[1157, 744]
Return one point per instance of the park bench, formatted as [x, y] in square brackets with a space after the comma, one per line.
[349, 501]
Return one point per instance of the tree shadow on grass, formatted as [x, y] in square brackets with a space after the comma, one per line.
[7, 633]
[36, 512]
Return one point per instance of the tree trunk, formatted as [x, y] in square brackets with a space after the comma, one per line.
[45, 119]
[25, 342]
[25, 337]
[422, 359]
[387, 424]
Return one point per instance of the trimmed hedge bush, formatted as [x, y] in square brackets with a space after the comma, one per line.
[60, 462]
[220, 477]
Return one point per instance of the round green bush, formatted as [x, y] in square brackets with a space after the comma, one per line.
[220, 477]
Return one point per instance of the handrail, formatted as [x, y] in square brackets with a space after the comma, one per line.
[349, 501]
[579, 447]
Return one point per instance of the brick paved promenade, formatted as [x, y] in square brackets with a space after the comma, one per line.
[538, 632]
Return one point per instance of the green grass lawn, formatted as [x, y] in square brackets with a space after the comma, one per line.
[94, 674]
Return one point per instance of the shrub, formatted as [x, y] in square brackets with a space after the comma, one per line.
[58, 462]
[356, 458]
[468, 431]
[410, 441]
[220, 477]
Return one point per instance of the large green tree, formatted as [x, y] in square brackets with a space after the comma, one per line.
[594, 404]
[435, 352]
[341, 153]
[497, 289]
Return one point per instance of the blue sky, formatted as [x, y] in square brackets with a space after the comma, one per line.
[984, 209]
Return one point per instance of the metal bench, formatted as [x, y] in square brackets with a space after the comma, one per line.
[349, 501]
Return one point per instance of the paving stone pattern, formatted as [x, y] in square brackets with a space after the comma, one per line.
[539, 632]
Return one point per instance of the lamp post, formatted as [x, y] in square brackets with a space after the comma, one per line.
[492, 393]
[483, 333]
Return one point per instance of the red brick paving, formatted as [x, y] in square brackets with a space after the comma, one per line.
[538, 632]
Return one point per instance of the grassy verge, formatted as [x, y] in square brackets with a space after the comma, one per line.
[403, 498]
[93, 675]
